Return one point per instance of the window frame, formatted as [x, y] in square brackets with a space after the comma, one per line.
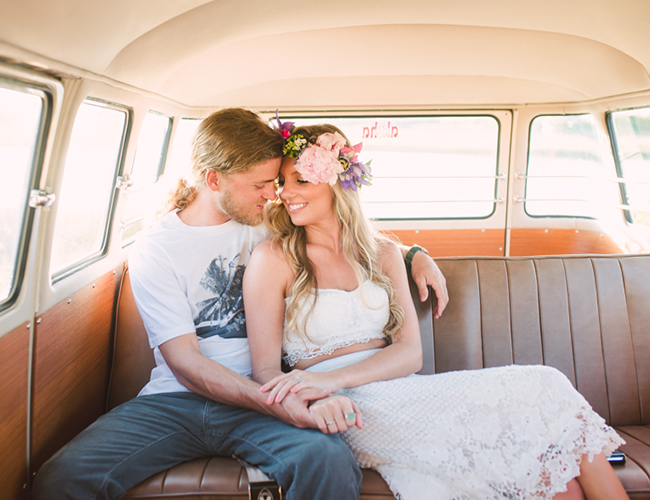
[162, 166]
[46, 91]
[622, 184]
[549, 216]
[433, 114]
[119, 172]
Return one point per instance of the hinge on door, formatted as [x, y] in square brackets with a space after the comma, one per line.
[39, 198]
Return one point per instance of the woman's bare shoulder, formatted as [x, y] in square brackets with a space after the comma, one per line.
[269, 255]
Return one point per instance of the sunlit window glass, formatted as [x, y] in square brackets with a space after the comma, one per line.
[88, 185]
[632, 137]
[141, 197]
[565, 174]
[178, 161]
[433, 167]
[20, 122]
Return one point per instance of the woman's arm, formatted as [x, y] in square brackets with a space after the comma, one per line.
[266, 281]
[401, 358]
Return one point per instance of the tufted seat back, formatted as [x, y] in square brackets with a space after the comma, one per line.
[588, 316]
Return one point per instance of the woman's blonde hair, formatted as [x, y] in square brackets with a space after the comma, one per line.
[360, 242]
[228, 141]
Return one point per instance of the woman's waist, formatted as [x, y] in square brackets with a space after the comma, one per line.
[318, 357]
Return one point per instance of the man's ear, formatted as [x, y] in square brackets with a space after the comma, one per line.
[213, 180]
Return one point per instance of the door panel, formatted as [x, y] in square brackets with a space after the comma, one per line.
[72, 357]
[14, 367]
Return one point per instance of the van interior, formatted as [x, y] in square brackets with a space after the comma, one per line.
[507, 130]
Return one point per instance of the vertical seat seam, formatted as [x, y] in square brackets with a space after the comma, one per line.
[480, 311]
[539, 310]
[602, 344]
[629, 326]
[571, 339]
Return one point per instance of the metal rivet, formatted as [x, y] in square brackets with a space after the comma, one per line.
[93, 285]
[500, 249]
[601, 235]
[38, 321]
[546, 230]
[482, 230]
[69, 301]
[417, 231]
[577, 230]
[114, 272]
[28, 325]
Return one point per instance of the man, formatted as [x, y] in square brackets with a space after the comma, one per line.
[186, 274]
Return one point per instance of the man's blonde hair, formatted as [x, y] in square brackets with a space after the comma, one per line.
[228, 141]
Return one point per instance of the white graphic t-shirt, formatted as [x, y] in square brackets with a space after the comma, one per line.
[188, 279]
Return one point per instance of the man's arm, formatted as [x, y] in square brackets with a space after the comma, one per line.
[214, 381]
[425, 271]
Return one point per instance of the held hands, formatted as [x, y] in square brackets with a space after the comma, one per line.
[331, 414]
[335, 414]
[298, 380]
[425, 271]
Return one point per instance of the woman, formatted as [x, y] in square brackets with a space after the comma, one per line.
[332, 297]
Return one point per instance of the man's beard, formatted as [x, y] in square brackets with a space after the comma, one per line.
[240, 213]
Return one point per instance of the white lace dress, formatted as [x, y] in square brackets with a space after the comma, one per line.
[514, 432]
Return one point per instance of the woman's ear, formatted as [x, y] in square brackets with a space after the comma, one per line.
[213, 180]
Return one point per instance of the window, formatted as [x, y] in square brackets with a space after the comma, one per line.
[565, 171]
[631, 136]
[429, 167]
[179, 156]
[148, 166]
[88, 191]
[22, 117]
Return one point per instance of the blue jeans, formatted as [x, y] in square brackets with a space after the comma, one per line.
[153, 433]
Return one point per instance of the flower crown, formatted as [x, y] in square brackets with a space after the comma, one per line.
[327, 160]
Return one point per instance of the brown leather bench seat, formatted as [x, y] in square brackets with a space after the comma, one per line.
[588, 316]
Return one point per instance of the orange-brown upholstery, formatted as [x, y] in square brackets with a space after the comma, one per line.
[587, 316]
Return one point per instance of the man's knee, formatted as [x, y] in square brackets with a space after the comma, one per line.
[328, 460]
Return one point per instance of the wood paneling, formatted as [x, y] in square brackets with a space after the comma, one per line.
[523, 242]
[72, 358]
[455, 242]
[526, 242]
[14, 367]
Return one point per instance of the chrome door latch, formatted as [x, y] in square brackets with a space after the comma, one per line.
[39, 198]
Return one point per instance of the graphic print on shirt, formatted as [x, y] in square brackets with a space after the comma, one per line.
[223, 314]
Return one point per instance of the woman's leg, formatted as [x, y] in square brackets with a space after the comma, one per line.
[598, 480]
[573, 492]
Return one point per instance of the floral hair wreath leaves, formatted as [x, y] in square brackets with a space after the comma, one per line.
[327, 160]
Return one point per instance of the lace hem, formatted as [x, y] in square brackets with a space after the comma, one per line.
[295, 356]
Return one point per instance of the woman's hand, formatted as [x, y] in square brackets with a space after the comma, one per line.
[335, 414]
[295, 381]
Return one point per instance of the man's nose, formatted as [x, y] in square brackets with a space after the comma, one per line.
[269, 192]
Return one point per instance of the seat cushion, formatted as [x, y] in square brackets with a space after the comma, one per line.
[635, 474]
[213, 478]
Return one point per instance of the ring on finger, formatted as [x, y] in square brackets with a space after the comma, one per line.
[297, 378]
[350, 416]
[330, 422]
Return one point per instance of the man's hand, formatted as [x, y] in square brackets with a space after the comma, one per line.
[424, 271]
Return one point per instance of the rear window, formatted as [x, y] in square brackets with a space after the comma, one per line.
[425, 167]
[565, 175]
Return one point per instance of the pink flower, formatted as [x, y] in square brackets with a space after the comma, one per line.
[317, 164]
[285, 133]
[331, 142]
